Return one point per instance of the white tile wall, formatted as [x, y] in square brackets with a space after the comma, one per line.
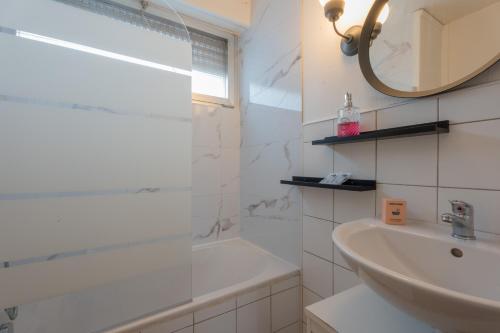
[318, 130]
[318, 160]
[473, 104]
[426, 171]
[286, 284]
[317, 275]
[271, 308]
[415, 112]
[356, 158]
[285, 308]
[293, 328]
[317, 237]
[172, 325]
[318, 203]
[397, 163]
[308, 298]
[343, 279]
[434, 163]
[253, 296]
[214, 310]
[421, 201]
[469, 156]
[225, 323]
[186, 330]
[255, 317]
[350, 206]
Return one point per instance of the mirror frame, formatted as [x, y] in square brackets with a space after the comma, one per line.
[373, 80]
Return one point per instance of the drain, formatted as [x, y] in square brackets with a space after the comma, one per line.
[457, 253]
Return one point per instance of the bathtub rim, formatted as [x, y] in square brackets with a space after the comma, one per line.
[211, 298]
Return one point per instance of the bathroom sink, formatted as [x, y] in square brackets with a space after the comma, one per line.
[453, 285]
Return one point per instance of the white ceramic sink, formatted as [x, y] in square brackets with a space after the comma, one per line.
[413, 267]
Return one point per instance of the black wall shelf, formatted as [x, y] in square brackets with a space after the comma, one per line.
[351, 185]
[437, 127]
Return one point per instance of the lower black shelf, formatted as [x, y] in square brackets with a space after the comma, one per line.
[351, 185]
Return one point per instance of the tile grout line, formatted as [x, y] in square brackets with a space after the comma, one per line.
[447, 187]
[287, 326]
[376, 163]
[315, 255]
[313, 292]
[333, 202]
[319, 218]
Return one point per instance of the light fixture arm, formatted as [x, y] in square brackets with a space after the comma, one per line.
[348, 38]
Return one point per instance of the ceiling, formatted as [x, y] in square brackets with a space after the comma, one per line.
[446, 11]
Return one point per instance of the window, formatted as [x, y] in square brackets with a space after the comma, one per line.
[213, 77]
[209, 64]
[213, 70]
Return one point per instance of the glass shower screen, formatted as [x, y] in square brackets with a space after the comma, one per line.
[95, 167]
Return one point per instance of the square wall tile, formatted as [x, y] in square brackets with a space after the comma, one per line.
[318, 203]
[172, 325]
[255, 317]
[469, 156]
[396, 157]
[317, 237]
[253, 296]
[421, 200]
[343, 279]
[308, 298]
[214, 310]
[471, 104]
[351, 206]
[186, 330]
[225, 323]
[356, 158]
[189, 329]
[285, 308]
[486, 213]
[415, 112]
[286, 284]
[294, 328]
[318, 160]
[318, 131]
[317, 275]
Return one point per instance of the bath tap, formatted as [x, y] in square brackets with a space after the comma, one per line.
[461, 219]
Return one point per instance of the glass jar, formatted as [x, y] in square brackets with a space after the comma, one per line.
[348, 119]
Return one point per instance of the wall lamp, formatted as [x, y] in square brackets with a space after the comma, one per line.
[334, 10]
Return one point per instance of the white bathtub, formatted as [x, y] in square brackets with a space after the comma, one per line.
[222, 270]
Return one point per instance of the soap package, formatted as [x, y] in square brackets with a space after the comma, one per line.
[394, 211]
[337, 178]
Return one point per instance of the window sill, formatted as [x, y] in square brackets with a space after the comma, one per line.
[205, 99]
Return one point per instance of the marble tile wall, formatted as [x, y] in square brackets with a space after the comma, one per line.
[271, 105]
[216, 173]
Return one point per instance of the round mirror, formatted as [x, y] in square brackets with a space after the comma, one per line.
[425, 47]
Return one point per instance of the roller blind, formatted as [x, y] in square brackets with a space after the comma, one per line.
[209, 53]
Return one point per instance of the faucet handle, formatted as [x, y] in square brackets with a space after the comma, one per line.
[461, 208]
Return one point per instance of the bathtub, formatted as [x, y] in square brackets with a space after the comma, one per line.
[222, 271]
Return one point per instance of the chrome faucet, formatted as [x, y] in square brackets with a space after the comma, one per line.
[462, 220]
